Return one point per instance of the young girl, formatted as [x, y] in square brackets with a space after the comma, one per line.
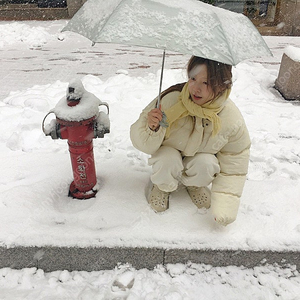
[204, 141]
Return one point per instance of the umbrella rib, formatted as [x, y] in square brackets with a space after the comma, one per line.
[223, 31]
[108, 19]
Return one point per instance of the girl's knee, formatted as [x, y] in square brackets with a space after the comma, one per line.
[206, 158]
[167, 157]
[166, 168]
[204, 161]
[200, 169]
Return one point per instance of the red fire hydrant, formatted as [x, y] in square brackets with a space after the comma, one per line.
[79, 120]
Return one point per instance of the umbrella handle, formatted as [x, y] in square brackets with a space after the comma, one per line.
[161, 77]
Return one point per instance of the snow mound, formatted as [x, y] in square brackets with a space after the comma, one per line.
[293, 53]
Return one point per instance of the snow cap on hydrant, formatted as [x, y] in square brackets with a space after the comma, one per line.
[74, 92]
[86, 104]
[79, 120]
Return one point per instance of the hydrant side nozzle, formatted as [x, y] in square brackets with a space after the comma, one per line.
[100, 130]
[101, 123]
[55, 133]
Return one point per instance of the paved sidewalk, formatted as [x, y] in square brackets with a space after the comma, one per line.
[53, 61]
[44, 64]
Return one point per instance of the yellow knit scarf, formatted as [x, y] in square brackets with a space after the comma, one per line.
[186, 107]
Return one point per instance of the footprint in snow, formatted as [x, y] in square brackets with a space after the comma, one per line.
[122, 284]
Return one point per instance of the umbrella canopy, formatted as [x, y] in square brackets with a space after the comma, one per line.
[184, 26]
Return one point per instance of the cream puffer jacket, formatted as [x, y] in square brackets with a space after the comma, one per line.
[192, 135]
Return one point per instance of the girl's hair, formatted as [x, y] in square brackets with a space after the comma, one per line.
[219, 75]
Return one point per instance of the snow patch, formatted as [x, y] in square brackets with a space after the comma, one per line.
[293, 53]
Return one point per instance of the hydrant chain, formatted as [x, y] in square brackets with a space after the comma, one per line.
[43, 123]
[105, 104]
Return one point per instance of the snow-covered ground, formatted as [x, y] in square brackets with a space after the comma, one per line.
[175, 282]
[37, 62]
[36, 170]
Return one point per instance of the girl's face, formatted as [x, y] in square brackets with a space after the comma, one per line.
[200, 91]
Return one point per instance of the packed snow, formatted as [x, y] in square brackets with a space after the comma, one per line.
[37, 64]
[87, 107]
[293, 53]
[173, 282]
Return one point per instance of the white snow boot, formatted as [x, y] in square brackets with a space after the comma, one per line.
[200, 196]
[158, 200]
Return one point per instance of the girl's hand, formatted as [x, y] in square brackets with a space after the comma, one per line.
[154, 117]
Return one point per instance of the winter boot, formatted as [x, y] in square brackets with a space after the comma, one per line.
[200, 196]
[158, 200]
